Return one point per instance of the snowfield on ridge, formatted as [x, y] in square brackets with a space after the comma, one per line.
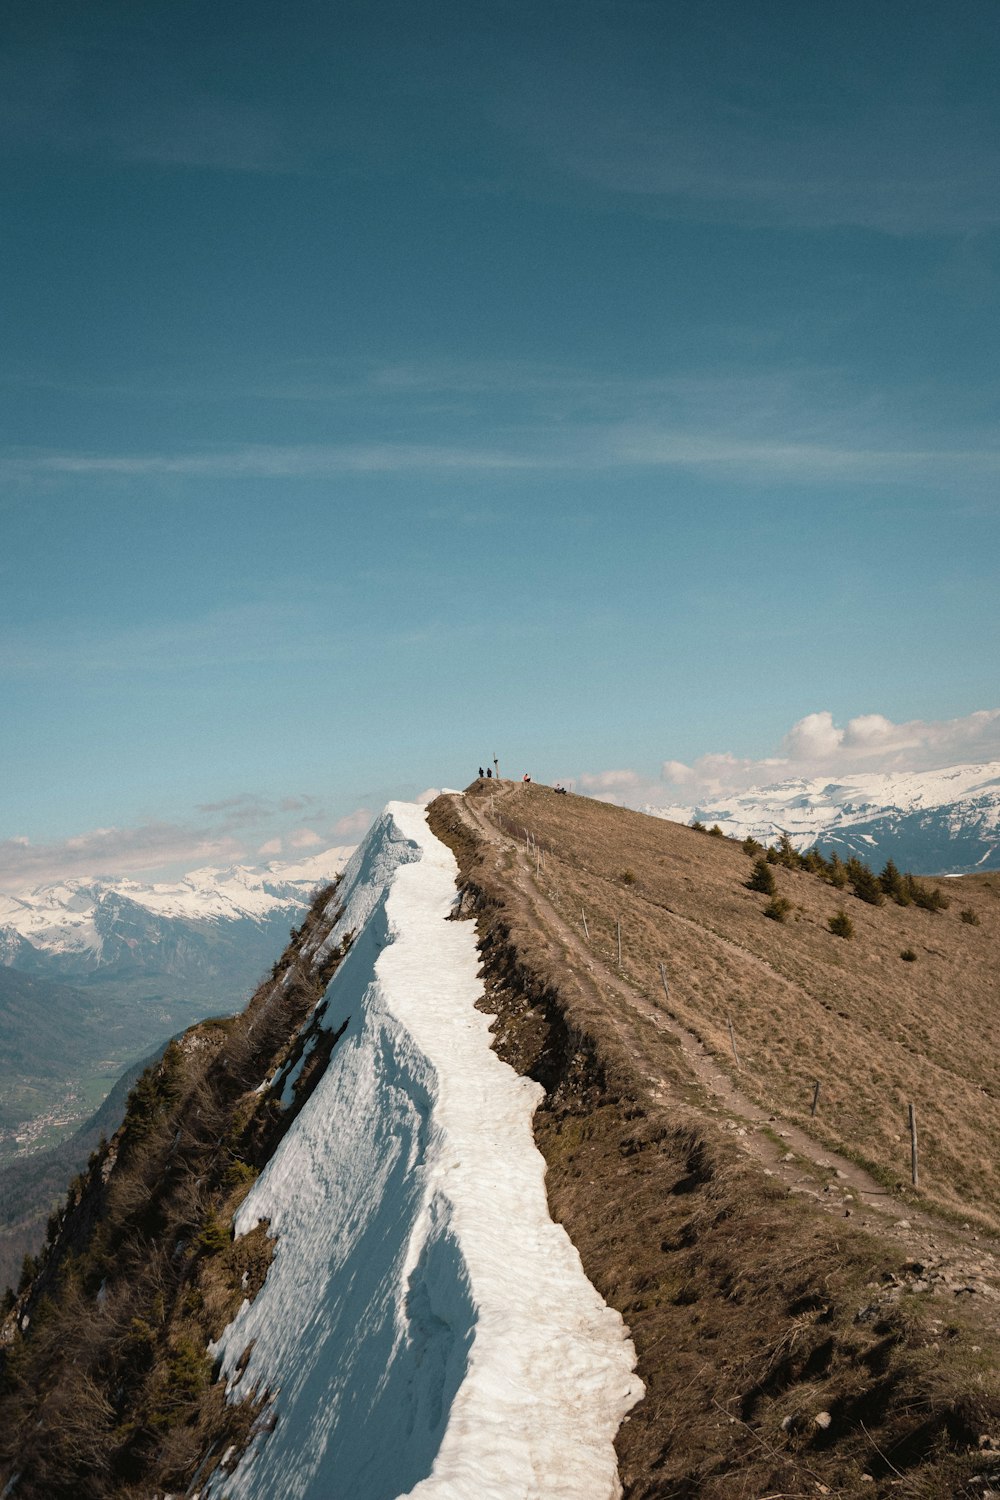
[424, 1328]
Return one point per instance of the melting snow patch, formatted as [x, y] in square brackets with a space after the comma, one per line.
[425, 1327]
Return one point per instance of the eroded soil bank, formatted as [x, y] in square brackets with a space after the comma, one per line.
[784, 1351]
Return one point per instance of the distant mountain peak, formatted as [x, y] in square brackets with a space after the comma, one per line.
[946, 820]
[83, 922]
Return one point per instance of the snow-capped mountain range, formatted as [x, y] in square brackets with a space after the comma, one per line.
[931, 822]
[77, 926]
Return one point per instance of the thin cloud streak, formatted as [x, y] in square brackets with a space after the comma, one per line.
[227, 831]
[112, 851]
[586, 448]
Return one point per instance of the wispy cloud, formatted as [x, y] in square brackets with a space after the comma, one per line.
[354, 824]
[237, 828]
[618, 782]
[304, 838]
[587, 447]
[113, 851]
[258, 461]
[768, 124]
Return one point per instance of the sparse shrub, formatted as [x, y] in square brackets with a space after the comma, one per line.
[29, 1270]
[841, 925]
[238, 1174]
[762, 878]
[968, 915]
[627, 877]
[777, 909]
[213, 1236]
[716, 831]
[932, 899]
[698, 825]
[908, 956]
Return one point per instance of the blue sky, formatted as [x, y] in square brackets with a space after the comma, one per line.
[382, 386]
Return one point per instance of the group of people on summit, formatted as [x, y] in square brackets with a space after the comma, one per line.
[489, 773]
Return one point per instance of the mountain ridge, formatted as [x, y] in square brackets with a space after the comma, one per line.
[83, 923]
[933, 822]
[847, 1324]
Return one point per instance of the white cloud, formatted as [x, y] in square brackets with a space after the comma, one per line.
[814, 746]
[223, 831]
[304, 838]
[354, 824]
[817, 746]
[813, 737]
[113, 851]
[610, 781]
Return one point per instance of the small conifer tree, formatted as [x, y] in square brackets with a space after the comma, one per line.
[762, 878]
[788, 855]
[841, 925]
[864, 882]
[891, 882]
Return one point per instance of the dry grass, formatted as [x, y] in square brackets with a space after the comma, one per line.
[879, 1032]
[752, 1312]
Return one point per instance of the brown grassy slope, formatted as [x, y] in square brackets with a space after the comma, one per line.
[879, 1032]
[752, 1313]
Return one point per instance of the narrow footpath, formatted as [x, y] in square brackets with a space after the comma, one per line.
[940, 1255]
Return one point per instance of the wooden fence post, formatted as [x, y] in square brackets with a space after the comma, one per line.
[663, 976]
[618, 924]
[815, 1098]
[732, 1038]
[914, 1159]
[586, 929]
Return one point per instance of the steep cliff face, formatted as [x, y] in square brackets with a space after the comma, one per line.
[106, 1385]
[415, 1321]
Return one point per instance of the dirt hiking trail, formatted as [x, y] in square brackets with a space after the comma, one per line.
[941, 1256]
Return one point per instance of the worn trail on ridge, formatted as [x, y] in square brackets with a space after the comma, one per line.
[960, 1260]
